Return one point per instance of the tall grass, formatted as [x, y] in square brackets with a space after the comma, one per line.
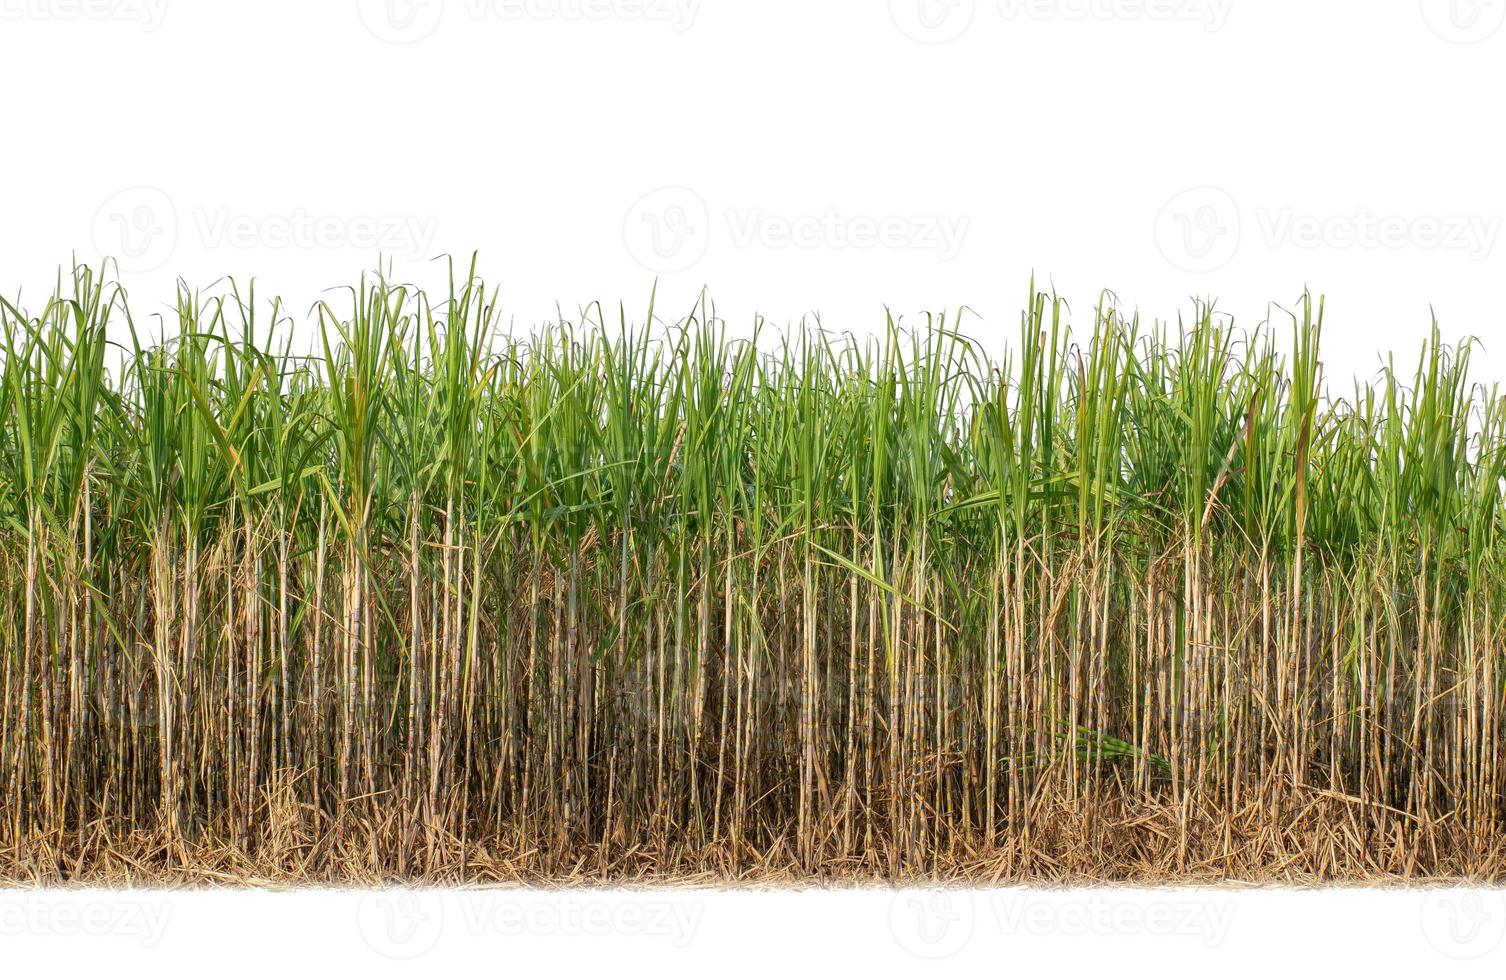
[628, 597]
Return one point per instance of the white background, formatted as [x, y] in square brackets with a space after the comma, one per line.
[815, 153]
[796, 157]
[756, 934]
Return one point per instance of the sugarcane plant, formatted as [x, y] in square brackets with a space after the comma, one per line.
[395, 592]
